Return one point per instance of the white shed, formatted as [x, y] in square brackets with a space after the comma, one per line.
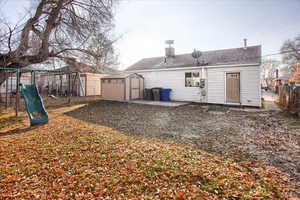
[229, 76]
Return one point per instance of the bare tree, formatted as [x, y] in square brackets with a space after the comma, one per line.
[268, 71]
[103, 53]
[61, 29]
[291, 52]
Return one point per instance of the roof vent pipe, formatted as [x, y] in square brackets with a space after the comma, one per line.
[245, 43]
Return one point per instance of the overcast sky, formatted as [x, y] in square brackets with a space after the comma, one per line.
[201, 24]
[204, 24]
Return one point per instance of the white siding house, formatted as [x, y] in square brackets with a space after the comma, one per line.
[250, 94]
[236, 81]
[175, 80]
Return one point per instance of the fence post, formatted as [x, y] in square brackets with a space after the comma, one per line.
[17, 93]
[69, 88]
[32, 78]
[6, 91]
[297, 100]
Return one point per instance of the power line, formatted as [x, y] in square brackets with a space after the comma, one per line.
[268, 55]
[282, 52]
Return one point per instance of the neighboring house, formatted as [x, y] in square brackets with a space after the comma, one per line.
[89, 83]
[288, 76]
[282, 79]
[228, 76]
[8, 87]
[12, 82]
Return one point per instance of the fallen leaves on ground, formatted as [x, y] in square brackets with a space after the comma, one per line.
[72, 159]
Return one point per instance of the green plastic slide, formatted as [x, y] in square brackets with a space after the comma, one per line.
[34, 105]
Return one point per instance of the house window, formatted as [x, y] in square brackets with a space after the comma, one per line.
[235, 76]
[192, 79]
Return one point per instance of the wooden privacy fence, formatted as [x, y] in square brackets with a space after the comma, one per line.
[289, 98]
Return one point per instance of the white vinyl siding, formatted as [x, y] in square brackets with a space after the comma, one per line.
[174, 80]
[250, 85]
[250, 90]
[12, 82]
[215, 84]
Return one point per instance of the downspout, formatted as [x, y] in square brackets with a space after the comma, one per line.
[125, 89]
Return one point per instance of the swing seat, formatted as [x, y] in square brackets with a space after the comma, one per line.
[34, 105]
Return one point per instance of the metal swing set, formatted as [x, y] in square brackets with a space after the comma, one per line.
[31, 92]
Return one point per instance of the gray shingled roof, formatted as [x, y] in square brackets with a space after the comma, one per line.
[250, 55]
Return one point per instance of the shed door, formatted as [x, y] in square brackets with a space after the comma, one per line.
[113, 89]
[135, 88]
[233, 87]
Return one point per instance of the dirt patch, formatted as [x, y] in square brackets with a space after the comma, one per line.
[257, 136]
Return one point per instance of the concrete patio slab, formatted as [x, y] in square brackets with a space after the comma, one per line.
[269, 96]
[159, 103]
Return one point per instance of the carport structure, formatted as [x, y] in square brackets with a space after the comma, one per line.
[122, 87]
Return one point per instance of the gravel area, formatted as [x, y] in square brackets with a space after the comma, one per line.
[268, 137]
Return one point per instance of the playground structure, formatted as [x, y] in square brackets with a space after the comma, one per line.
[32, 84]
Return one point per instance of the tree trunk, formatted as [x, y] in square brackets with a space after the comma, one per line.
[68, 24]
[3, 77]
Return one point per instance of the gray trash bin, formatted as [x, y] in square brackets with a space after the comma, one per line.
[156, 94]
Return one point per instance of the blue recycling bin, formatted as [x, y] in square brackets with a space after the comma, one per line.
[165, 94]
